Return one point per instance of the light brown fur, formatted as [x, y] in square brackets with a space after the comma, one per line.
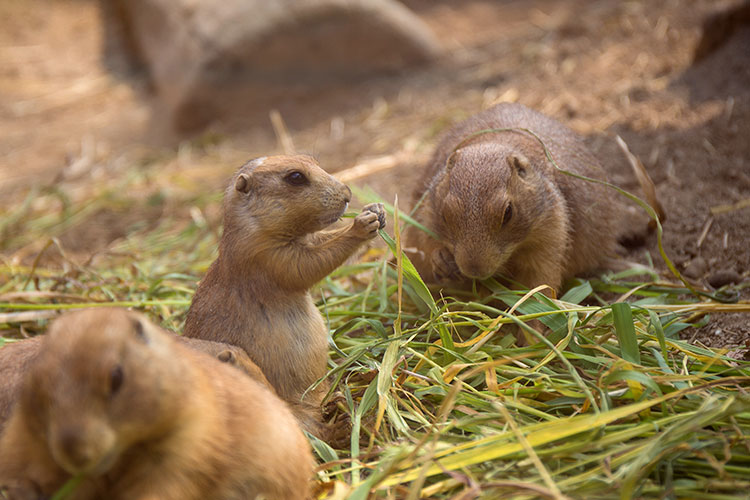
[230, 354]
[113, 397]
[17, 357]
[557, 226]
[273, 250]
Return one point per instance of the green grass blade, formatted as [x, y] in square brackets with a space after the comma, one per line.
[623, 319]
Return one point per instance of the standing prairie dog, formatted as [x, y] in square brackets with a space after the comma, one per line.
[140, 416]
[500, 208]
[273, 250]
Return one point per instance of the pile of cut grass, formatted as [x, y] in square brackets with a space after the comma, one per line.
[442, 402]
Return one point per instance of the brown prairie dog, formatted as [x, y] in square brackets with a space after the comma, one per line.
[113, 397]
[16, 357]
[499, 207]
[273, 250]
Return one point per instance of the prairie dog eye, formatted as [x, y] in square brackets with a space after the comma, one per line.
[296, 178]
[116, 378]
[507, 214]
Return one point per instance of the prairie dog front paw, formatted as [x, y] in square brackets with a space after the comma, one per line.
[444, 266]
[379, 209]
[366, 225]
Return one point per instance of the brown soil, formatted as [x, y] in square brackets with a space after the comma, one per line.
[604, 67]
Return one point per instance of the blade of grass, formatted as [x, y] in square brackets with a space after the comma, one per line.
[623, 319]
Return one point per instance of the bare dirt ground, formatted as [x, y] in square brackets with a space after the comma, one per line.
[604, 67]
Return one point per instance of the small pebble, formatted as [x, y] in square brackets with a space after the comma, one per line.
[724, 277]
[697, 268]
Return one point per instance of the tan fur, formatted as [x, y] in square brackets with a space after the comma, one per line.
[230, 354]
[15, 359]
[273, 249]
[557, 226]
[181, 425]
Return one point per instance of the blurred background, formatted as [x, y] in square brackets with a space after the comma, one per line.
[121, 117]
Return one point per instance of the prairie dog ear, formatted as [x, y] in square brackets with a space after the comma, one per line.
[519, 163]
[139, 330]
[226, 357]
[451, 161]
[242, 184]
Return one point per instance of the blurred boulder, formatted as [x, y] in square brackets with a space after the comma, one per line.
[207, 59]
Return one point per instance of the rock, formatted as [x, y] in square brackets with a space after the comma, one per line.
[724, 277]
[209, 58]
[696, 268]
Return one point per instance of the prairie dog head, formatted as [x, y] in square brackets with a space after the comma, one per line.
[283, 195]
[104, 379]
[484, 204]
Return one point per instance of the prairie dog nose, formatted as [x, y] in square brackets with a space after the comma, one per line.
[74, 450]
[473, 267]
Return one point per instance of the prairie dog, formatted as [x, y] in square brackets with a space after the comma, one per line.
[499, 207]
[16, 357]
[273, 250]
[229, 354]
[114, 398]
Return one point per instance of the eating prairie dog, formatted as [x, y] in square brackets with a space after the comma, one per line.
[113, 397]
[274, 248]
[499, 207]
